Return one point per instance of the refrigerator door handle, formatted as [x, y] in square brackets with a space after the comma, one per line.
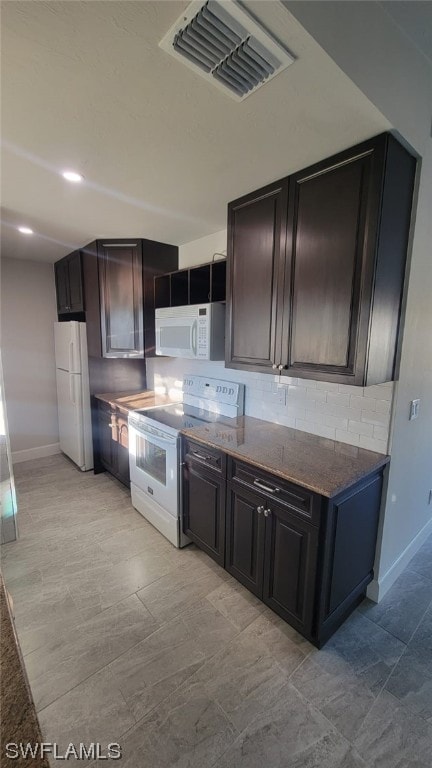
[71, 389]
[71, 357]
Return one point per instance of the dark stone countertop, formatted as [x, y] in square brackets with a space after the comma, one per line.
[19, 722]
[321, 465]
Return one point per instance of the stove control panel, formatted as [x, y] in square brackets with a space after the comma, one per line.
[217, 395]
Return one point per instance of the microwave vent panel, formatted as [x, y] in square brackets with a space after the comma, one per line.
[222, 42]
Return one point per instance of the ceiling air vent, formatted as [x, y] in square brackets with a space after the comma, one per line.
[227, 46]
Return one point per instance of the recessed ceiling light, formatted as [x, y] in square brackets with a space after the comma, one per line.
[72, 176]
[25, 230]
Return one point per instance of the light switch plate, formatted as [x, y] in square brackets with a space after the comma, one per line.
[279, 394]
[414, 409]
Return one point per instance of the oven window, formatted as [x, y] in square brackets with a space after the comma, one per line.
[151, 459]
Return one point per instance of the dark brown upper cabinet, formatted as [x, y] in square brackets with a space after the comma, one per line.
[256, 262]
[346, 226]
[69, 284]
[119, 292]
[121, 298]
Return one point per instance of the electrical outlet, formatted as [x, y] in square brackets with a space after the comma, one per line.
[414, 409]
[279, 394]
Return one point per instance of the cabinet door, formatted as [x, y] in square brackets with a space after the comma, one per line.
[245, 526]
[204, 510]
[256, 255]
[290, 567]
[107, 438]
[62, 285]
[92, 309]
[123, 450]
[76, 303]
[333, 212]
[121, 299]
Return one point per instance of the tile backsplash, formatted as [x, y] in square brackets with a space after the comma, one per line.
[355, 415]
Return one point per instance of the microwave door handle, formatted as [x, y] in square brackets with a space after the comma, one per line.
[194, 337]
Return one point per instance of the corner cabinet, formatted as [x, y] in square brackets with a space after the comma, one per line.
[316, 285]
[69, 284]
[121, 298]
[308, 557]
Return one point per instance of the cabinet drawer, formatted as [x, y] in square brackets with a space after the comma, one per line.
[299, 500]
[211, 458]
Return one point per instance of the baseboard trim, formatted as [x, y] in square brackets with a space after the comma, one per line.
[35, 453]
[378, 587]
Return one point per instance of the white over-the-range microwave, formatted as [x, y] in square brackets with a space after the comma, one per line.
[196, 331]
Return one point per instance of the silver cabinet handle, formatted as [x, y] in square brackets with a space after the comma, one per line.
[260, 509]
[267, 512]
[200, 456]
[265, 487]
[274, 366]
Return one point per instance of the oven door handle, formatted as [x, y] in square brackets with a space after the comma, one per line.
[170, 440]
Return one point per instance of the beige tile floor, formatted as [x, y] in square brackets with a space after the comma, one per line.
[128, 640]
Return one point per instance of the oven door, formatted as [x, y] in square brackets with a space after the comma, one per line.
[176, 336]
[154, 464]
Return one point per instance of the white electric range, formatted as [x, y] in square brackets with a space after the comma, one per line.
[155, 451]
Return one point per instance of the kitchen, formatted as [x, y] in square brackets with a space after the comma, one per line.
[168, 372]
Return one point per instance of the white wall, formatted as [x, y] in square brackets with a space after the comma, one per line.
[353, 415]
[28, 313]
[202, 250]
[383, 62]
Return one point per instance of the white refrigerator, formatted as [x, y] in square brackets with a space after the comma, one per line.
[73, 393]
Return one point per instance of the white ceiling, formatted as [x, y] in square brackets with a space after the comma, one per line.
[415, 19]
[86, 87]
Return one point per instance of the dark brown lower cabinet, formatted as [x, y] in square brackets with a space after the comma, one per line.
[106, 443]
[122, 450]
[273, 554]
[245, 538]
[347, 553]
[309, 558]
[290, 563]
[204, 509]
[112, 443]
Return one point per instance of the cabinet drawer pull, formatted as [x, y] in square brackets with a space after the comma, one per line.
[201, 456]
[267, 488]
[267, 512]
[260, 509]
